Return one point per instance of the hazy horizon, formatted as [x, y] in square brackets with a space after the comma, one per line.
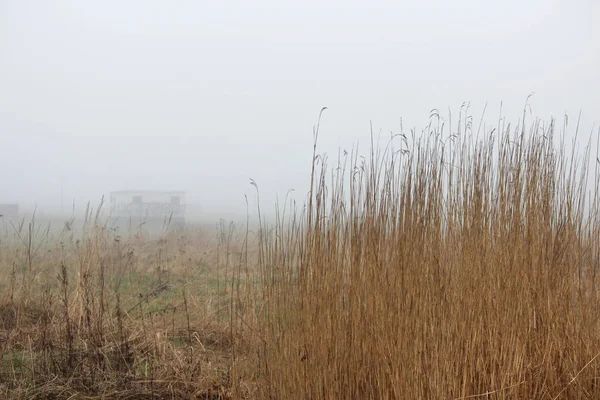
[106, 96]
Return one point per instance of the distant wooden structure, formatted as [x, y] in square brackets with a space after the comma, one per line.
[152, 208]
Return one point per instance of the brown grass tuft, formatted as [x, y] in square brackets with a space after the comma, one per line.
[446, 268]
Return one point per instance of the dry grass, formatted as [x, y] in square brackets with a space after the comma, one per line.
[442, 269]
[90, 313]
[442, 266]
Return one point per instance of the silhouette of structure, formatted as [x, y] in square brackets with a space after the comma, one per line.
[150, 208]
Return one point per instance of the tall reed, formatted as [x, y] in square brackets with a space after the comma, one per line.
[447, 265]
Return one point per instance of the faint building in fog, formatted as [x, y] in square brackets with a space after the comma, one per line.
[150, 208]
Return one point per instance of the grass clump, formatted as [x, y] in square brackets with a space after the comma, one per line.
[445, 267]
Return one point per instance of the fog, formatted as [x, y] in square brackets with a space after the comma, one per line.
[204, 96]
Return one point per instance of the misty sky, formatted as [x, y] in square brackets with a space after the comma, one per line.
[200, 96]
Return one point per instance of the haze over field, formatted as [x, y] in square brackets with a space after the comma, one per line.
[111, 95]
[462, 261]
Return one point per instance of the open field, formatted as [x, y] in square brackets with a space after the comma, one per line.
[458, 265]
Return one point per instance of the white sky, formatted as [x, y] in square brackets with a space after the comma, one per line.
[201, 96]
